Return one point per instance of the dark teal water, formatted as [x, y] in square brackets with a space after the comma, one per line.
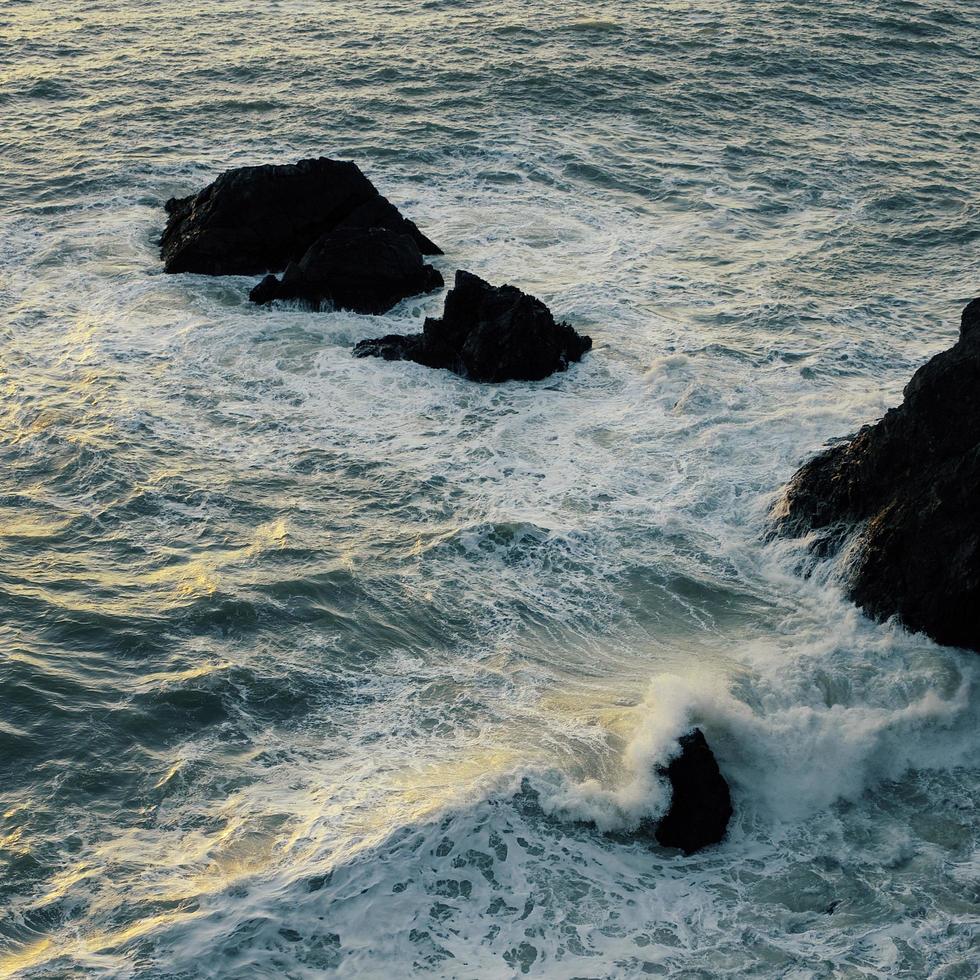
[281, 632]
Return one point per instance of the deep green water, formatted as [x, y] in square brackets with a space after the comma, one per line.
[281, 632]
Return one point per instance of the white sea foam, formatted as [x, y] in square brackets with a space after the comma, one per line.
[360, 650]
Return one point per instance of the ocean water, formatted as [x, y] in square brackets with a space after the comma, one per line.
[312, 666]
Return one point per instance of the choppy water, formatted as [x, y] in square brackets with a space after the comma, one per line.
[282, 632]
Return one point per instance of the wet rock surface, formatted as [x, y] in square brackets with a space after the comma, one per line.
[365, 270]
[486, 333]
[252, 220]
[700, 804]
[906, 492]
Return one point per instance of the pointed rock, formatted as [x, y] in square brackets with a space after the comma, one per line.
[700, 802]
[487, 333]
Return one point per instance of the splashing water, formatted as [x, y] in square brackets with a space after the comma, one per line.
[312, 665]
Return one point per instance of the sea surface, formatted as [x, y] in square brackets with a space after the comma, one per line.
[313, 666]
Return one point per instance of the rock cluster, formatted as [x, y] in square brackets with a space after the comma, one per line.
[344, 246]
[906, 492]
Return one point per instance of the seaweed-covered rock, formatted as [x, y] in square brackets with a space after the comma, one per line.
[365, 270]
[486, 333]
[908, 487]
[258, 219]
[700, 802]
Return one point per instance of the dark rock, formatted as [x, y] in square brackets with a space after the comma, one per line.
[487, 333]
[700, 802]
[366, 270]
[908, 487]
[258, 219]
[266, 291]
[700, 806]
[392, 347]
[379, 212]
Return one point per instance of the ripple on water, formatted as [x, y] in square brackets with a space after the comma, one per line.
[308, 660]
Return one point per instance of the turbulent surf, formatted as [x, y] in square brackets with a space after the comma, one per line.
[320, 665]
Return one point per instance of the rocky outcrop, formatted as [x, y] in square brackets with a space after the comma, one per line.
[700, 806]
[259, 219]
[906, 492]
[700, 801]
[365, 270]
[486, 333]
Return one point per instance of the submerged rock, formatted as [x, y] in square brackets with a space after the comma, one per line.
[486, 333]
[700, 802]
[366, 270]
[906, 491]
[258, 219]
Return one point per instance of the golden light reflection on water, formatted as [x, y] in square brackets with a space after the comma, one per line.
[255, 837]
[175, 583]
[29, 955]
[32, 526]
[202, 577]
[15, 842]
[418, 793]
[63, 881]
[169, 774]
[269, 537]
[194, 579]
[234, 853]
[111, 940]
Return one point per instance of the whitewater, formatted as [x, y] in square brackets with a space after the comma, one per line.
[313, 666]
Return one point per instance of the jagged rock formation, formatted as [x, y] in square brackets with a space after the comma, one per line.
[909, 488]
[253, 220]
[486, 333]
